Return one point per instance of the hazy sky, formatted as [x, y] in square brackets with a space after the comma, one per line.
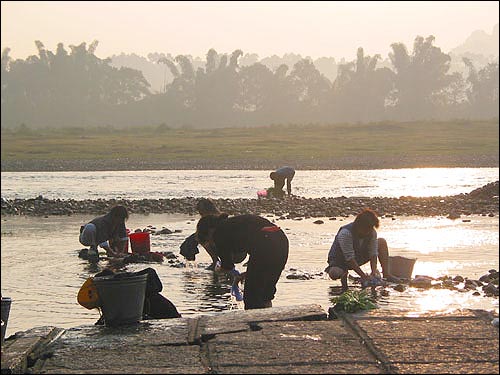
[315, 29]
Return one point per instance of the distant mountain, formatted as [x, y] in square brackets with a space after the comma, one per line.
[480, 43]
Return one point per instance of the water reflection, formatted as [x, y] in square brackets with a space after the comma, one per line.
[37, 269]
[417, 302]
[418, 182]
[210, 290]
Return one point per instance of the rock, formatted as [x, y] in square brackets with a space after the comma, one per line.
[470, 284]
[169, 255]
[485, 278]
[458, 278]
[318, 222]
[83, 253]
[400, 288]
[162, 231]
[490, 290]
[448, 284]
[421, 282]
[298, 276]
[481, 201]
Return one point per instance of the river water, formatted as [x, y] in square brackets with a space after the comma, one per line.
[42, 273]
[417, 182]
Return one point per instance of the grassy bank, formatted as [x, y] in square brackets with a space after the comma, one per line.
[424, 140]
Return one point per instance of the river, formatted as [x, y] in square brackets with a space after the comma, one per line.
[42, 273]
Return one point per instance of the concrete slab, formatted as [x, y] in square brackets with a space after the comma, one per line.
[237, 320]
[21, 350]
[428, 328]
[295, 339]
[153, 346]
[159, 332]
[447, 368]
[437, 350]
[312, 368]
[277, 346]
[128, 359]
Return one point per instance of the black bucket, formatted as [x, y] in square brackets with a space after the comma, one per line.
[121, 297]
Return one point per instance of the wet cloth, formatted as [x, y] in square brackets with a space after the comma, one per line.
[189, 248]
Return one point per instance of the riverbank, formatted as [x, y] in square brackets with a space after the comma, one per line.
[340, 163]
[383, 145]
[481, 201]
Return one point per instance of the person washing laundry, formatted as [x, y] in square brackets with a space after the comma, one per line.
[109, 229]
[266, 244]
[280, 176]
[356, 244]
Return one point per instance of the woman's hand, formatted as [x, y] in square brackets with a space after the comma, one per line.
[375, 273]
[218, 268]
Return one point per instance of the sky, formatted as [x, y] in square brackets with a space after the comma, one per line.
[315, 29]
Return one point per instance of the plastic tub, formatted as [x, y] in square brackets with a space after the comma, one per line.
[140, 242]
[262, 194]
[401, 267]
[121, 297]
[6, 302]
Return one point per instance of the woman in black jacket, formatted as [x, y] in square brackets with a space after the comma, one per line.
[265, 242]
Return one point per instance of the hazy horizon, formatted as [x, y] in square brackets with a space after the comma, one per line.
[315, 29]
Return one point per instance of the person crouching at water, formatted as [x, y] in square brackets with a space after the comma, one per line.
[109, 227]
[354, 245]
[266, 244]
[279, 176]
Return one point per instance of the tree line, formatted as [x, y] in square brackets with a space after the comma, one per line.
[76, 88]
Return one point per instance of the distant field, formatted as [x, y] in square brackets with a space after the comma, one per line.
[429, 140]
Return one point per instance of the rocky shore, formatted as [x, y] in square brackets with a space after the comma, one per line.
[482, 201]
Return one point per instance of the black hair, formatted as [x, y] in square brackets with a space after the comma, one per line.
[206, 224]
[366, 219]
[207, 205]
[119, 212]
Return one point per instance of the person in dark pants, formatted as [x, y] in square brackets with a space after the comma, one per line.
[279, 177]
[109, 227]
[266, 244]
[356, 244]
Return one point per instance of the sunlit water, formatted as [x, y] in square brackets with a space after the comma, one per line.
[417, 182]
[42, 273]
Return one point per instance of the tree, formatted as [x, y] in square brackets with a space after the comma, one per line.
[482, 92]
[66, 89]
[360, 90]
[308, 91]
[419, 78]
